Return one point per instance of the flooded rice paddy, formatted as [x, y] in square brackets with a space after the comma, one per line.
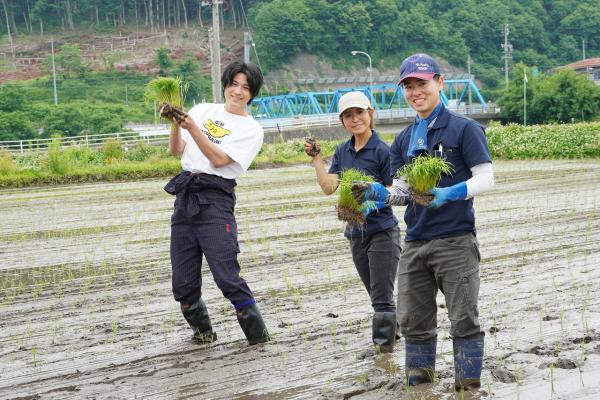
[86, 310]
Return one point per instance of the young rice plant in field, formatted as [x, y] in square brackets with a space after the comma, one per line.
[424, 173]
[347, 207]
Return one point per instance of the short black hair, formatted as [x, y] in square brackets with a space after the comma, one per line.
[252, 72]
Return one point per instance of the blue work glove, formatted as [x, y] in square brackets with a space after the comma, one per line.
[444, 195]
[370, 206]
[369, 191]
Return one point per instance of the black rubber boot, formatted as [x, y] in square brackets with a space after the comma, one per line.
[252, 324]
[384, 331]
[197, 317]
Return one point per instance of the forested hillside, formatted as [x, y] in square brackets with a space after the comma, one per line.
[543, 33]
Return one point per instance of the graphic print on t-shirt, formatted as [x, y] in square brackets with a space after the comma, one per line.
[214, 130]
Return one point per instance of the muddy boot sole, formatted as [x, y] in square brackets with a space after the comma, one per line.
[467, 384]
[204, 338]
[418, 376]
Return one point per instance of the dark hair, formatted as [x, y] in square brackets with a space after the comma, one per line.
[253, 75]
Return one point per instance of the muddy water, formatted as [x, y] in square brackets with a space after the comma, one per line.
[86, 309]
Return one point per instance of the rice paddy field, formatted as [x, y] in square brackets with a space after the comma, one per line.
[86, 310]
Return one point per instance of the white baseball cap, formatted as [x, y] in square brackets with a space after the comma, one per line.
[353, 99]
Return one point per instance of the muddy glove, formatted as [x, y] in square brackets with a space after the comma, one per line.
[369, 191]
[371, 206]
[311, 147]
[398, 195]
[447, 194]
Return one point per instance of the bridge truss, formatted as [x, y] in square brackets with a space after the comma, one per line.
[386, 96]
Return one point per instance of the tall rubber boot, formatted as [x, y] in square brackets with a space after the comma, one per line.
[252, 324]
[420, 361]
[197, 317]
[468, 358]
[384, 331]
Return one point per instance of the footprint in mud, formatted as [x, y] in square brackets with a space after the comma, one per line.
[549, 318]
[542, 351]
[502, 374]
[366, 354]
[562, 363]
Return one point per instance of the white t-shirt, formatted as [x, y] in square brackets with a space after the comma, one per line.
[239, 137]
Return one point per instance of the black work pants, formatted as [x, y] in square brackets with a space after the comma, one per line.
[211, 231]
[376, 260]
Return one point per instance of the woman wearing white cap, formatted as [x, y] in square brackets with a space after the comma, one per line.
[375, 246]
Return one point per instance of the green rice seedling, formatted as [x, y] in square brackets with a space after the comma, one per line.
[552, 380]
[167, 90]
[422, 175]
[348, 209]
[34, 352]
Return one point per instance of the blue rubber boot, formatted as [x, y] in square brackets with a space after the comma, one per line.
[420, 361]
[468, 358]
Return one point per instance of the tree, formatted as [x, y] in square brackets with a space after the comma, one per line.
[189, 72]
[16, 126]
[565, 96]
[68, 60]
[163, 60]
[512, 101]
[65, 120]
[281, 26]
[12, 98]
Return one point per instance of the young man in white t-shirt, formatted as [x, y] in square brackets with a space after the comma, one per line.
[217, 143]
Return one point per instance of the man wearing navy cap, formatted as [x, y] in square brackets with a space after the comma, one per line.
[440, 250]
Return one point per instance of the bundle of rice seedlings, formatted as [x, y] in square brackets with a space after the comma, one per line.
[348, 209]
[169, 94]
[422, 175]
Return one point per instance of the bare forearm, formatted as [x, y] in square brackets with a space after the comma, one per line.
[328, 182]
[176, 143]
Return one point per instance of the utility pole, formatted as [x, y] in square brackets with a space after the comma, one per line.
[247, 44]
[583, 47]
[507, 51]
[215, 54]
[470, 77]
[524, 97]
[53, 71]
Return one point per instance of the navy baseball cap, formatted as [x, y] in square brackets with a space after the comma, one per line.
[419, 66]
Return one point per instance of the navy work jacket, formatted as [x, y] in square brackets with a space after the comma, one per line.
[462, 143]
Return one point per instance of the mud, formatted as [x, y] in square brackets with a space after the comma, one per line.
[86, 310]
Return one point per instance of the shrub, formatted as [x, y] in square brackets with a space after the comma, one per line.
[7, 165]
[544, 141]
[112, 150]
[56, 163]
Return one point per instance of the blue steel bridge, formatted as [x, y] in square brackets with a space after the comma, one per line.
[387, 98]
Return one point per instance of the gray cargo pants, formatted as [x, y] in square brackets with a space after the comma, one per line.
[450, 265]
